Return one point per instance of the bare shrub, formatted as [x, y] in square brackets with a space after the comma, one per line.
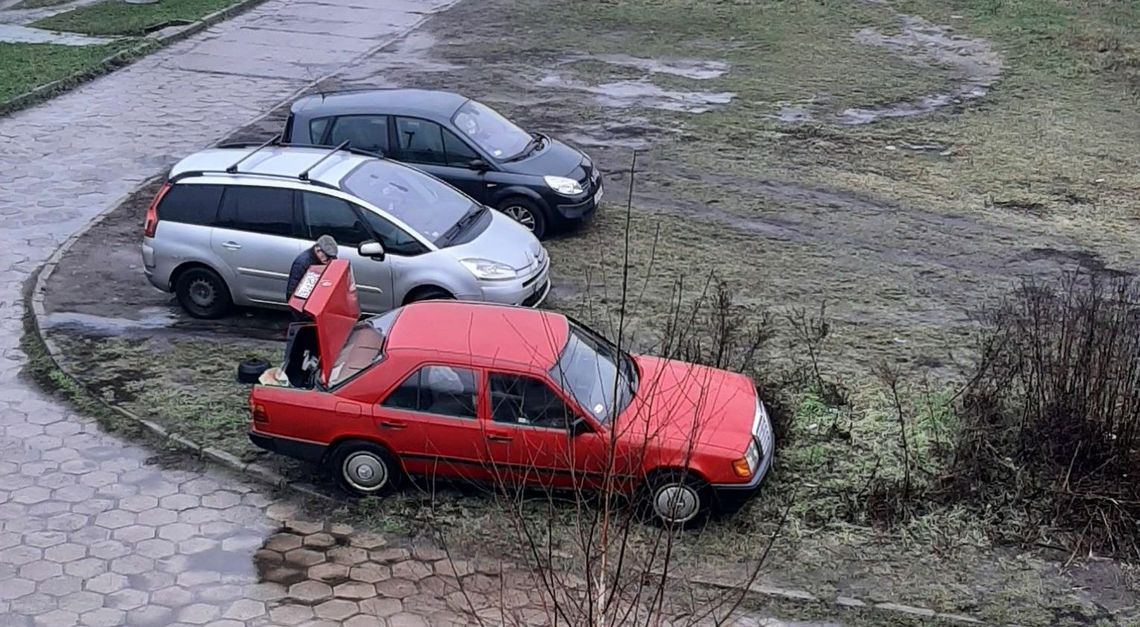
[810, 332]
[1051, 417]
[715, 330]
[590, 556]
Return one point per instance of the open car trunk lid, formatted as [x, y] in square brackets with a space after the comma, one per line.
[327, 294]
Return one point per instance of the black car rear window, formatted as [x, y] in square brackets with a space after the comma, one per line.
[191, 204]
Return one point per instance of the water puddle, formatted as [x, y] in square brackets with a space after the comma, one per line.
[973, 67]
[641, 93]
[631, 133]
[696, 69]
[150, 319]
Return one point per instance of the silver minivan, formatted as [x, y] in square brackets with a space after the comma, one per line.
[226, 226]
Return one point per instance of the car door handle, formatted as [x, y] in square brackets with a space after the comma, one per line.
[231, 245]
[499, 438]
[393, 425]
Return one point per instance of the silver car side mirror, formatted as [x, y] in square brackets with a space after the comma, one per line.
[371, 249]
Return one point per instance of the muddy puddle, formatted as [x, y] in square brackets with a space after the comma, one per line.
[149, 319]
[641, 93]
[696, 69]
[147, 322]
[971, 65]
[631, 133]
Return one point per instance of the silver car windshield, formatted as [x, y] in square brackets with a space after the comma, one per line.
[596, 374]
[492, 132]
[428, 205]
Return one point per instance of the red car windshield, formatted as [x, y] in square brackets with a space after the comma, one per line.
[364, 347]
[601, 378]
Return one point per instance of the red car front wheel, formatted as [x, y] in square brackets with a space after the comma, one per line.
[676, 499]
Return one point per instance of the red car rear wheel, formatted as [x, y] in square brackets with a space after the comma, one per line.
[365, 469]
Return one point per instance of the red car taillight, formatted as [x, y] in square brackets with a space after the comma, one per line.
[152, 212]
[257, 410]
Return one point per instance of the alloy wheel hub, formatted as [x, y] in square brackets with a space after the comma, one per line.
[522, 215]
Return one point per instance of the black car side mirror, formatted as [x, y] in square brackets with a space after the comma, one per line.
[579, 427]
[478, 164]
[372, 249]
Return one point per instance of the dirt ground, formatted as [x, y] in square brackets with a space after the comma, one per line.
[903, 161]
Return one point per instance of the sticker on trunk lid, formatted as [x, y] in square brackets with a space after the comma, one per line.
[308, 283]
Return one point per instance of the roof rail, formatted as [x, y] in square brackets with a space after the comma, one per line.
[351, 90]
[349, 149]
[280, 144]
[193, 173]
[234, 166]
[304, 176]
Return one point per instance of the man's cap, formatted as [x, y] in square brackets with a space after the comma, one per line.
[327, 245]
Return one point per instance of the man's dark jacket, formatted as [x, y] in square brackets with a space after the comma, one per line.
[300, 266]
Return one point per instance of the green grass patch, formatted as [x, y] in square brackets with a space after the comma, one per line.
[187, 386]
[24, 67]
[114, 17]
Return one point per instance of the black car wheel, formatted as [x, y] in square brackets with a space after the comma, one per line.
[365, 469]
[428, 293]
[526, 213]
[676, 499]
[202, 293]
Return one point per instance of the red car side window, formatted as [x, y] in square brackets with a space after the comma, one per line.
[440, 390]
[527, 401]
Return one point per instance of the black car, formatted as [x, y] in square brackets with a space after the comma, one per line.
[539, 181]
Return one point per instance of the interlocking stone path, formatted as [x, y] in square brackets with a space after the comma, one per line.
[90, 533]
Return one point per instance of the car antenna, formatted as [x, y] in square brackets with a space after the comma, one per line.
[233, 168]
[304, 176]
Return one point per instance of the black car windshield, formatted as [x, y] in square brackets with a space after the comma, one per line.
[364, 347]
[492, 132]
[596, 374]
[426, 204]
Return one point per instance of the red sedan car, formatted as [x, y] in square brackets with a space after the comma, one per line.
[504, 394]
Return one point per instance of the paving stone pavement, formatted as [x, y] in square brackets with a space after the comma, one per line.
[90, 533]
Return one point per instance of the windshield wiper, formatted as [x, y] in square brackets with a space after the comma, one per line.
[474, 212]
[534, 144]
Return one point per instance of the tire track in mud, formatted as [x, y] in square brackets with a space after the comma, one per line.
[973, 66]
[840, 223]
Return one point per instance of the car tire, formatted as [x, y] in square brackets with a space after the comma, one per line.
[202, 293]
[250, 370]
[428, 293]
[675, 499]
[364, 469]
[526, 213]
